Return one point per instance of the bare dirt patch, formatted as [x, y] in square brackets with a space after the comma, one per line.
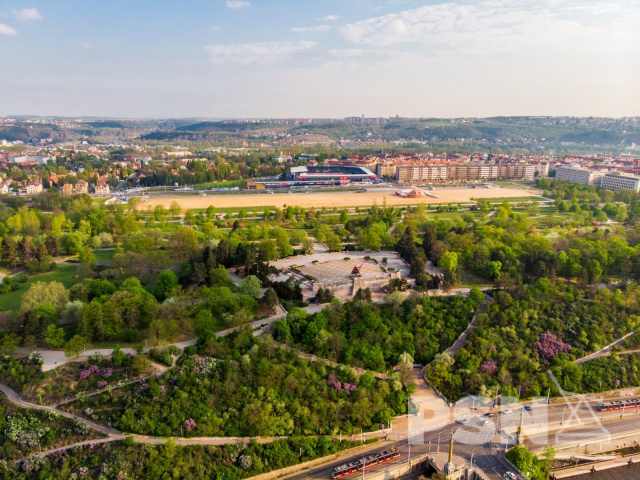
[332, 199]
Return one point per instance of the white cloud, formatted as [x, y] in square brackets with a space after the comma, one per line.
[329, 18]
[490, 26]
[7, 30]
[263, 52]
[346, 52]
[237, 4]
[27, 14]
[319, 28]
[215, 28]
[85, 45]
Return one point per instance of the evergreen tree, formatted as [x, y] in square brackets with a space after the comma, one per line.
[53, 244]
[10, 251]
[27, 249]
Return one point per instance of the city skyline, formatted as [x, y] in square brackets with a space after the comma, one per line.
[252, 59]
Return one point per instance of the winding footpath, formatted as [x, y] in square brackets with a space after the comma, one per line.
[604, 352]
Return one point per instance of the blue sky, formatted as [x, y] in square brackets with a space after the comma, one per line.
[286, 58]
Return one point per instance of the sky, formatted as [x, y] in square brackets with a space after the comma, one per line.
[319, 58]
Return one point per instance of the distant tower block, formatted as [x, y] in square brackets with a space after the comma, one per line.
[449, 467]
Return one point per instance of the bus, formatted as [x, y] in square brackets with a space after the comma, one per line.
[364, 463]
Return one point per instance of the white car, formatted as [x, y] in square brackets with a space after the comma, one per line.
[510, 476]
[507, 412]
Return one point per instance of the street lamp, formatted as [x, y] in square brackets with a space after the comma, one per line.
[472, 452]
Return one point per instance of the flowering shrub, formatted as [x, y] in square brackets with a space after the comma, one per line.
[333, 382]
[205, 365]
[349, 387]
[101, 384]
[25, 430]
[489, 367]
[549, 346]
[189, 424]
[50, 414]
[245, 462]
[59, 457]
[81, 428]
[32, 463]
[107, 372]
[32, 359]
[95, 358]
[84, 374]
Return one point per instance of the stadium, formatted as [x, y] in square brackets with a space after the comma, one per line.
[322, 177]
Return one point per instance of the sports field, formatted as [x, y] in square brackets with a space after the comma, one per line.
[334, 198]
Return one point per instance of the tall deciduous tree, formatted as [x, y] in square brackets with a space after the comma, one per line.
[75, 346]
[54, 336]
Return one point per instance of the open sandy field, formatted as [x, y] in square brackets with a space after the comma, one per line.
[333, 199]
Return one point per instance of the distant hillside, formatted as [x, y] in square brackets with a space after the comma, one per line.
[29, 132]
[544, 130]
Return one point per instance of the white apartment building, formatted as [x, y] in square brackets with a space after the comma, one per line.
[34, 188]
[516, 171]
[620, 181]
[577, 174]
[541, 169]
[419, 173]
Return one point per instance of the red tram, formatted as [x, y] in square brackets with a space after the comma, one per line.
[619, 405]
[363, 464]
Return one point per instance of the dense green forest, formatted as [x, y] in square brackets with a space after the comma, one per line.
[374, 336]
[534, 328]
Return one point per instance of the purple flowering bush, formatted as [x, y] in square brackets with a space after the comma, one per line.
[189, 424]
[489, 367]
[549, 346]
[334, 383]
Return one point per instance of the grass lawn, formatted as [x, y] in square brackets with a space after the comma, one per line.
[260, 209]
[468, 279]
[64, 274]
[103, 255]
[227, 184]
[508, 199]
[477, 215]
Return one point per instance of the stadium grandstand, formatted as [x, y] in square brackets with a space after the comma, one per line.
[322, 176]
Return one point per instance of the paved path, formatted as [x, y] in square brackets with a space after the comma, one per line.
[603, 352]
[161, 368]
[462, 339]
[15, 398]
[54, 358]
[314, 358]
